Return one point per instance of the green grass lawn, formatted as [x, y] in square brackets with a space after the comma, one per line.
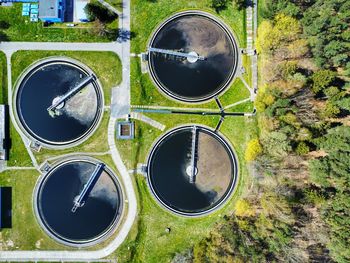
[246, 107]
[96, 143]
[21, 29]
[18, 152]
[135, 151]
[246, 62]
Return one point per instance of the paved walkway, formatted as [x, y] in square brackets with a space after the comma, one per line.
[20, 168]
[251, 26]
[120, 105]
[148, 120]
[236, 103]
[110, 7]
[11, 47]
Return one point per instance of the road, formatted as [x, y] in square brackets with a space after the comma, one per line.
[123, 50]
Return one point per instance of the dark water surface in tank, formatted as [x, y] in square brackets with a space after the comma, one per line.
[36, 94]
[170, 181]
[55, 201]
[202, 79]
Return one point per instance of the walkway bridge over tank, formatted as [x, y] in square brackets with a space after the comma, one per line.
[58, 102]
[80, 199]
[193, 166]
[191, 57]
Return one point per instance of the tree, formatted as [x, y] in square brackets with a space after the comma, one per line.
[337, 215]
[264, 99]
[253, 150]
[4, 36]
[322, 79]
[277, 144]
[283, 31]
[302, 148]
[4, 25]
[326, 26]
[240, 4]
[244, 209]
[333, 93]
[333, 169]
[344, 103]
[219, 5]
[280, 6]
[279, 107]
[95, 10]
[331, 110]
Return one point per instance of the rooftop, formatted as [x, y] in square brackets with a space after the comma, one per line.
[48, 8]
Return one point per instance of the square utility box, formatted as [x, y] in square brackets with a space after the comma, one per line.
[125, 130]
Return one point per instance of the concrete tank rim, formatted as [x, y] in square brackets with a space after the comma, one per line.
[233, 186]
[117, 221]
[97, 85]
[233, 76]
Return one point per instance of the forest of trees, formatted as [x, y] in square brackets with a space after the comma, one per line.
[299, 207]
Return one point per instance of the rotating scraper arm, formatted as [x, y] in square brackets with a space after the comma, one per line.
[71, 92]
[191, 55]
[79, 200]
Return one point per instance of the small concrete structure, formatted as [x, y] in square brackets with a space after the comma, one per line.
[125, 130]
[4, 133]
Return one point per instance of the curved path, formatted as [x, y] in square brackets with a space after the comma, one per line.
[123, 50]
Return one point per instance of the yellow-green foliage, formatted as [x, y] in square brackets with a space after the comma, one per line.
[264, 39]
[253, 150]
[244, 209]
[302, 148]
[283, 29]
[291, 119]
[263, 100]
[304, 134]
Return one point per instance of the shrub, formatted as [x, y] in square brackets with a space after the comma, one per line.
[253, 150]
[302, 148]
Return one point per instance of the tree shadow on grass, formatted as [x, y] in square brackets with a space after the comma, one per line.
[3, 36]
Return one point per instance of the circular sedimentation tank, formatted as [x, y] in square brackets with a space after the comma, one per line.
[192, 170]
[41, 85]
[59, 189]
[210, 62]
